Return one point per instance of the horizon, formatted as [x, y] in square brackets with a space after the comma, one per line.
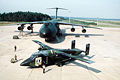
[68, 16]
[84, 8]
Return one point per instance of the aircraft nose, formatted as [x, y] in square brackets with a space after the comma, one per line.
[22, 64]
[26, 62]
[45, 33]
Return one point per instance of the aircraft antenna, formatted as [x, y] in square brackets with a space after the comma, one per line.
[57, 10]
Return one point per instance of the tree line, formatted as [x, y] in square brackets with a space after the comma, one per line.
[24, 16]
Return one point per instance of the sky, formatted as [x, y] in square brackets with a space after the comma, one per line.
[76, 8]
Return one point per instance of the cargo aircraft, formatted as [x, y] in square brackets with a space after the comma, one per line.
[50, 29]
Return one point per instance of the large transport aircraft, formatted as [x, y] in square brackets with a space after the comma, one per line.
[50, 30]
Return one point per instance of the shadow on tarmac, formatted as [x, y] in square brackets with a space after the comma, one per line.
[85, 67]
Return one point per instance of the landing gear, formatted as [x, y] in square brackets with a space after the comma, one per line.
[43, 70]
[60, 64]
[48, 40]
[43, 67]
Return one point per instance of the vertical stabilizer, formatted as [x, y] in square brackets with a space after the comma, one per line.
[73, 44]
[87, 49]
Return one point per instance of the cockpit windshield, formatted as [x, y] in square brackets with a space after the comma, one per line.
[33, 55]
[46, 24]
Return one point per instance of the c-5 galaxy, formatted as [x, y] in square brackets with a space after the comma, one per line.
[50, 30]
[49, 56]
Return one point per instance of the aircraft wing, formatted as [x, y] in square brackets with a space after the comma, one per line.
[63, 23]
[74, 57]
[42, 45]
[35, 22]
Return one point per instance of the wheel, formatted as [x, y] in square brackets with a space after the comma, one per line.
[43, 70]
[43, 67]
[47, 40]
[60, 64]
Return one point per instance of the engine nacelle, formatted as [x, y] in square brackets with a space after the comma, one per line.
[84, 31]
[29, 28]
[19, 28]
[72, 29]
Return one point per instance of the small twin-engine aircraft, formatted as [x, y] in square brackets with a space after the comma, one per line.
[50, 29]
[49, 56]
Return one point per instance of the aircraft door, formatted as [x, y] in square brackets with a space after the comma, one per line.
[38, 61]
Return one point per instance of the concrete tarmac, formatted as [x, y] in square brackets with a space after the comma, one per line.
[105, 52]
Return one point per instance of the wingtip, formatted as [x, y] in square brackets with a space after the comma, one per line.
[90, 62]
[34, 40]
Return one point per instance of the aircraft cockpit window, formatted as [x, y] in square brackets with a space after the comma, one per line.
[32, 57]
[46, 24]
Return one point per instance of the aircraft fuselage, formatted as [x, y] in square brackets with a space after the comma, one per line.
[37, 59]
[49, 30]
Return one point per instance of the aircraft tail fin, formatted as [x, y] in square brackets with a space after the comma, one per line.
[57, 10]
[73, 44]
[87, 49]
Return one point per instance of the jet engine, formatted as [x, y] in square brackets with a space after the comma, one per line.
[72, 29]
[19, 28]
[83, 30]
[29, 27]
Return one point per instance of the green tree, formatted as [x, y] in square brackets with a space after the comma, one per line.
[24, 16]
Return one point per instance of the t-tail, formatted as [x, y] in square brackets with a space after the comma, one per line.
[57, 10]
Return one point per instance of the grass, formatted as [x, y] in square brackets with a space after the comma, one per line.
[111, 22]
[79, 22]
[103, 25]
[115, 24]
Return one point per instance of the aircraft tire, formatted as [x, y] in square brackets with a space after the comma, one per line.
[60, 64]
[48, 40]
[43, 67]
[43, 70]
